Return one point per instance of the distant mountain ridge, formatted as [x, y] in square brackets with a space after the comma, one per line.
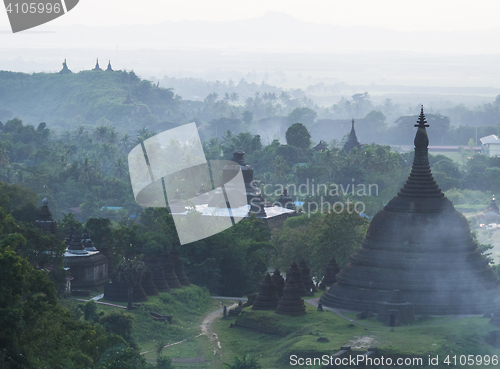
[274, 31]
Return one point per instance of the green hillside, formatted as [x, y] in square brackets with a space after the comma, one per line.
[85, 98]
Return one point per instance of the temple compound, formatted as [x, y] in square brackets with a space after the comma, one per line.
[86, 264]
[420, 245]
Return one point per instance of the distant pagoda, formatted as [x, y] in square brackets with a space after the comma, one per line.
[109, 69]
[65, 69]
[97, 67]
[420, 245]
[352, 140]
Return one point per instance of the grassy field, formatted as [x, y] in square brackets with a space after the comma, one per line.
[431, 336]
[298, 335]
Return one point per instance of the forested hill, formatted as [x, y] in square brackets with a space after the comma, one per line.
[88, 98]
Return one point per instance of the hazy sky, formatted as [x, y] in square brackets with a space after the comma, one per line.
[404, 15]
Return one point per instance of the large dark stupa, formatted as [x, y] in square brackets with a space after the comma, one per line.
[418, 244]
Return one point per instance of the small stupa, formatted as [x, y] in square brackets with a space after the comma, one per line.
[175, 257]
[332, 269]
[109, 69]
[87, 241]
[296, 274]
[306, 276]
[267, 299]
[279, 282]
[75, 245]
[45, 222]
[169, 270]
[285, 200]
[158, 275]
[291, 303]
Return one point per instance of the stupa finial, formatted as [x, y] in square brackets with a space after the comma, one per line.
[421, 139]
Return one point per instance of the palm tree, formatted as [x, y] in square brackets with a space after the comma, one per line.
[125, 141]
[112, 136]
[234, 97]
[284, 97]
[130, 272]
[100, 133]
[228, 136]
[120, 168]
[88, 171]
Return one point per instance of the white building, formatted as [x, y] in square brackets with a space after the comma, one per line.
[490, 145]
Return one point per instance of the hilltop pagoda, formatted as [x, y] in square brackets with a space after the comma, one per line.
[65, 69]
[97, 67]
[352, 140]
[420, 245]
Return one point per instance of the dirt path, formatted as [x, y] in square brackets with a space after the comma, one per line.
[205, 331]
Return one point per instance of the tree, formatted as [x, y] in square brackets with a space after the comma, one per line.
[317, 236]
[248, 362]
[88, 171]
[297, 135]
[120, 168]
[130, 272]
[303, 115]
[247, 117]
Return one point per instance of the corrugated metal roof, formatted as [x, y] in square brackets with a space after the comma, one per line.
[490, 139]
